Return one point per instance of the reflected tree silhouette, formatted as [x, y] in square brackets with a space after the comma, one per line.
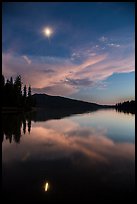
[13, 126]
[24, 126]
[125, 111]
[29, 125]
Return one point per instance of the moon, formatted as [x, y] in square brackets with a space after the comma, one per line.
[47, 32]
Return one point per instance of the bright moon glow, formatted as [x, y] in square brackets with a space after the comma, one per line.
[46, 186]
[47, 32]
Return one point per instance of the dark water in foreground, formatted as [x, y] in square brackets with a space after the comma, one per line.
[89, 156]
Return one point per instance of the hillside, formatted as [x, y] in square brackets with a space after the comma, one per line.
[55, 102]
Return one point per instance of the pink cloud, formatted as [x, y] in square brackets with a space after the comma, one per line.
[51, 74]
[57, 89]
[64, 138]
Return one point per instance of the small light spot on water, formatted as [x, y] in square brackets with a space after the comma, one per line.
[46, 186]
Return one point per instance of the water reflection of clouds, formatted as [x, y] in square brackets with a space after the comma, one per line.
[57, 139]
[120, 126]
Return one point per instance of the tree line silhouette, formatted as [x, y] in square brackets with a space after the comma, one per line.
[126, 107]
[14, 95]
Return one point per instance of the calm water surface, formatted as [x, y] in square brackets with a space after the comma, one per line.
[84, 156]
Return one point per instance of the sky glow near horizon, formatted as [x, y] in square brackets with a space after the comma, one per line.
[88, 52]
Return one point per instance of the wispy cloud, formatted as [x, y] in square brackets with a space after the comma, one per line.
[26, 59]
[108, 42]
[113, 45]
[103, 39]
[79, 82]
[62, 76]
[83, 53]
[57, 89]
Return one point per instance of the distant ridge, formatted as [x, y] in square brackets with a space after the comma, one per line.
[59, 102]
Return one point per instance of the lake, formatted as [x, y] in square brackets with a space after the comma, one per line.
[50, 157]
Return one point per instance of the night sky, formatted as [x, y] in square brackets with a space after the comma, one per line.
[89, 54]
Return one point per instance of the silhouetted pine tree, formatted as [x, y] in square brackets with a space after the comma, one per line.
[25, 91]
[12, 96]
[3, 89]
[29, 99]
[24, 97]
[126, 106]
[18, 91]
